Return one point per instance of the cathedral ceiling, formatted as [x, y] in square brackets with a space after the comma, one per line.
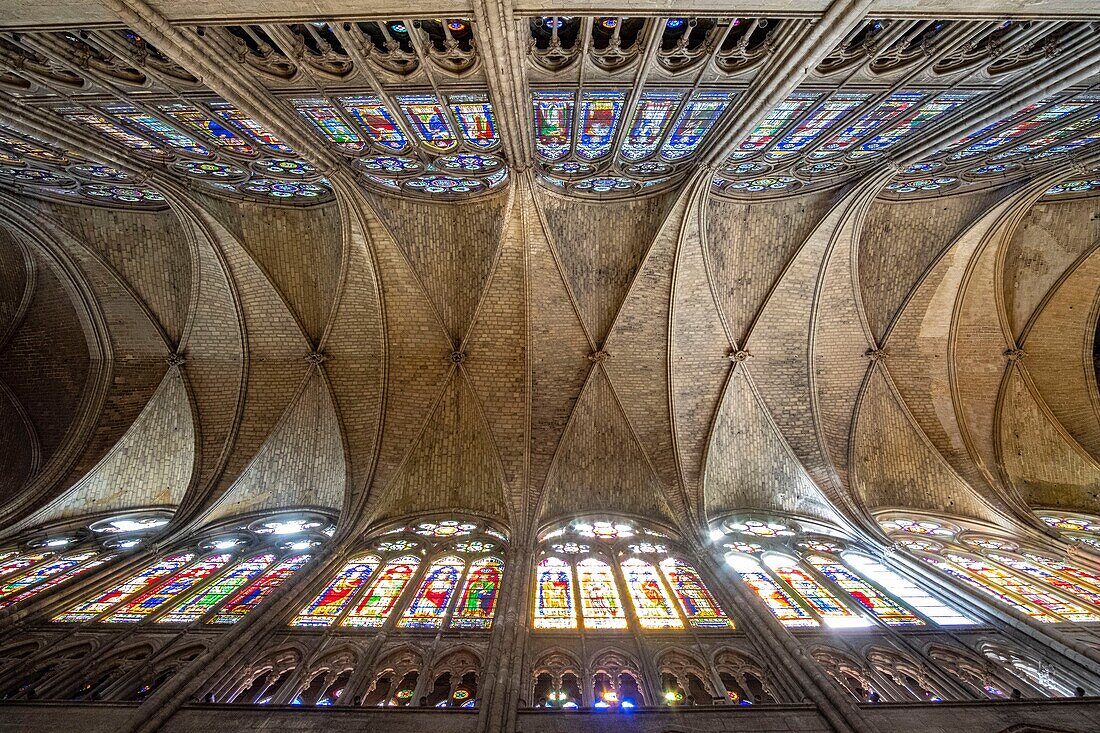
[829, 263]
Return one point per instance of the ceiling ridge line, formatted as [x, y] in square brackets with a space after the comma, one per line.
[188, 212]
[1003, 217]
[551, 245]
[1056, 424]
[682, 195]
[376, 495]
[699, 195]
[505, 219]
[487, 429]
[357, 217]
[862, 196]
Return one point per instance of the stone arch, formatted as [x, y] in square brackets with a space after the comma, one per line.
[752, 679]
[909, 676]
[263, 679]
[394, 679]
[850, 674]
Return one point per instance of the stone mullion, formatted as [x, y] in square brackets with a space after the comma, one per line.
[891, 632]
[503, 53]
[216, 66]
[1079, 66]
[790, 654]
[231, 647]
[785, 73]
[501, 684]
[1039, 636]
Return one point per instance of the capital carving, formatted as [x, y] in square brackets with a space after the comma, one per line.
[739, 356]
[457, 357]
[176, 360]
[875, 354]
[315, 358]
[1014, 354]
[599, 357]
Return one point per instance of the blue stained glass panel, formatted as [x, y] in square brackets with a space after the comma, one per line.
[255, 592]
[429, 121]
[330, 602]
[207, 127]
[152, 574]
[151, 600]
[102, 125]
[696, 119]
[240, 120]
[883, 112]
[201, 602]
[1006, 136]
[29, 578]
[429, 605]
[816, 123]
[1066, 131]
[651, 120]
[324, 117]
[159, 130]
[376, 119]
[553, 123]
[778, 118]
[599, 117]
[927, 112]
[474, 114]
[55, 581]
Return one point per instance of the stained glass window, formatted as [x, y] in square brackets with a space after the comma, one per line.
[867, 596]
[601, 606]
[1054, 136]
[554, 607]
[1093, 581]
[760, 528]
[553, 123]
[907, 591]
[328, 604]
[650, 597]
[429, 120]
[980, 133]
[897, 104]
[329, 123]
[23, 561]
[651, 120]
[604, 530]
[446, 529]
[199, 604]
[383, 129]
[219, 134]
[777, 119]
[55, 580]
[599, 118]
[696, 602]
[696, 120]
[926, 113]
[102, 125]
[240, 120]
[429, 605]
[478, 601]
[474, 114]
[153, 573]
[153, 599]
[24, 580]
[1000, 578]
[259, 589]
[922, 527]
[778, 601]
[816, 595]
[1006, 136]
[158, 129]
[817, 122]
[382, 595]
[1071, 524]
[1067, 586]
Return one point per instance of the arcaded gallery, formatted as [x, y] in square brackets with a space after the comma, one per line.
[495, 366]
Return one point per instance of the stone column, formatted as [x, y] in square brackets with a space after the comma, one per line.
[790, 656]
[501, 684]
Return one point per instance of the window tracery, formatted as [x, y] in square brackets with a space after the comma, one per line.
[1045, 588]
[604, 562]
[450, 567]
[221, 577]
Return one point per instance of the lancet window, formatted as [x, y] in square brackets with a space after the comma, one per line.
[53, 557]
[217, 579]
[432, 574]
[813, 577]
[609, 574]
[1032, 581]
